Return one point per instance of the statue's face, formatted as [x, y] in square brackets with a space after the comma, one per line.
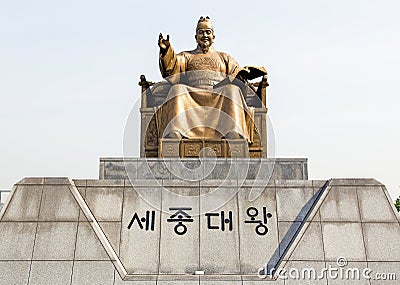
[204, 34]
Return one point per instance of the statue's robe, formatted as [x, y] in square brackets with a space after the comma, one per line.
[194, 107]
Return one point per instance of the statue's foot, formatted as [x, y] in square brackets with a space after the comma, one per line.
[233, 136]
[173, 135]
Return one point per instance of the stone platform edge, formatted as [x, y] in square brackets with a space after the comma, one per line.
[196, 168]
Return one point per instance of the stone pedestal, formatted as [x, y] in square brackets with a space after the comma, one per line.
[157, 228]
[206, 168]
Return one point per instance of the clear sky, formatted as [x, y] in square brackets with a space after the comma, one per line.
[69, 73]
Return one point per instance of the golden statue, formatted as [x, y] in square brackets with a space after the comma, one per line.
[204, 102]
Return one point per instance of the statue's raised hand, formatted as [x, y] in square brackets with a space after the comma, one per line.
[163, 43]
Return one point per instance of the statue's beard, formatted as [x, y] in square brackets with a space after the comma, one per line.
[205, 46]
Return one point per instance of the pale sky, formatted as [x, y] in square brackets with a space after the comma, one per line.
[69, 73]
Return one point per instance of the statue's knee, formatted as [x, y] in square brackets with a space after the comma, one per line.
[232, 92]
[232, 88]
[178, 89]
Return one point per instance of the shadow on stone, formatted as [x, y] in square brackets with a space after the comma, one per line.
[288, 240]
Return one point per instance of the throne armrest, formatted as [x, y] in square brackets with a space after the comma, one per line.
[144, 83]
[153, 93]
[260, 89]
[146, 92]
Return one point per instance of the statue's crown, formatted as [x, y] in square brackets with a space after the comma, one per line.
[204, 20]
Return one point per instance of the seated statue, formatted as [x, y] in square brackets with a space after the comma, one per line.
[205, 100]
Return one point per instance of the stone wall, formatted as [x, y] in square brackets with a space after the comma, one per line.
[62, 231]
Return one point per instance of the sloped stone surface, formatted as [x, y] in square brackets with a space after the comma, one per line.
[62, 241]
